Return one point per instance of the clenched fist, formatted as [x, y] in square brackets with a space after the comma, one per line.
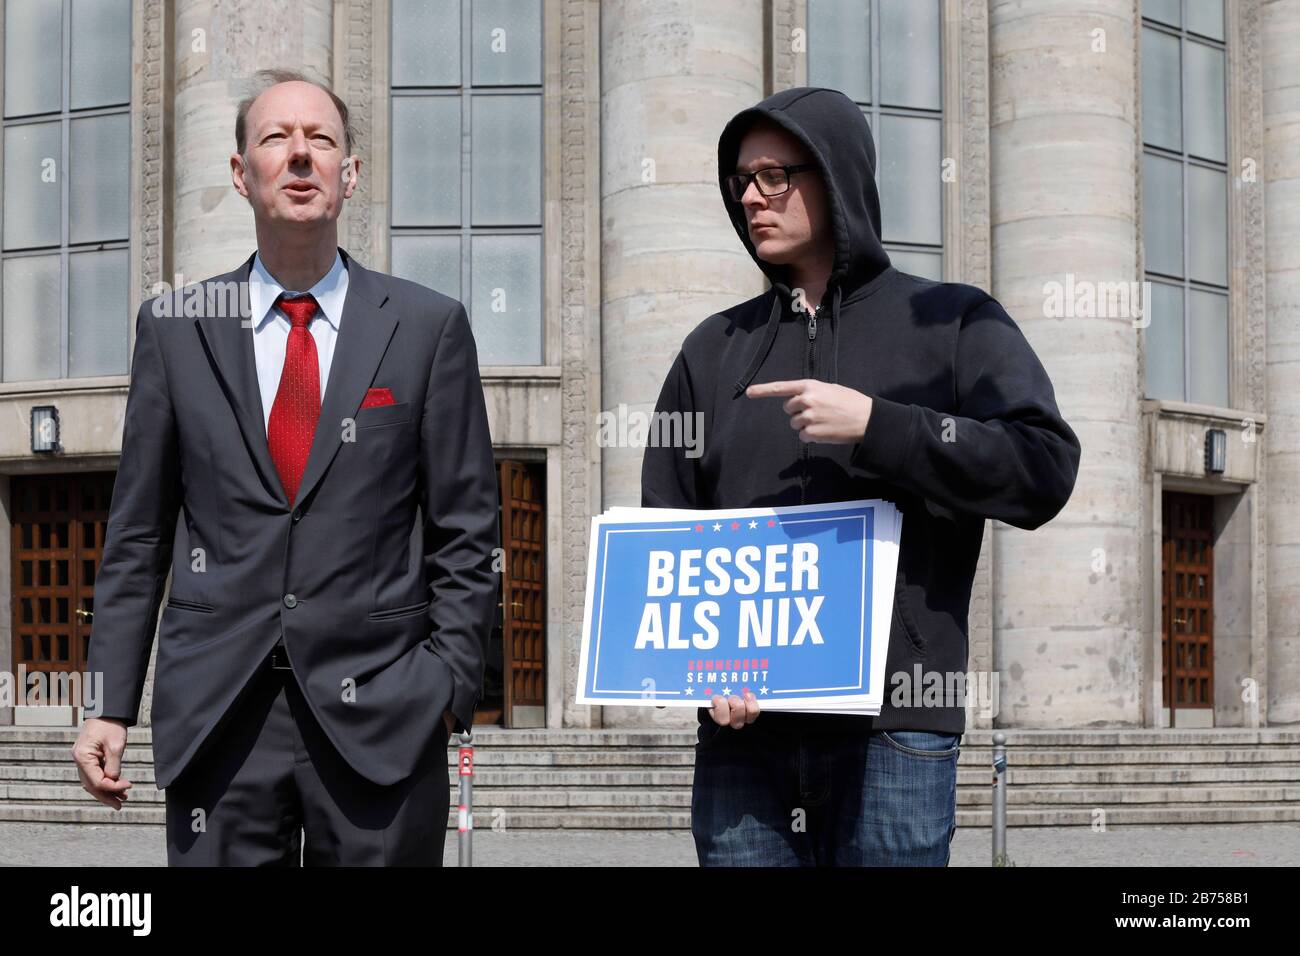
[733, 711]
[98, 753]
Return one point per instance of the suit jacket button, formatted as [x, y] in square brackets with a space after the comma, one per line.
[290, 601]
[297, 514]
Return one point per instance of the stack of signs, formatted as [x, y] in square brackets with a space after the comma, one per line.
[792, 603]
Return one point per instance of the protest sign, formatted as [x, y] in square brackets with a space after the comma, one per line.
[792, 603]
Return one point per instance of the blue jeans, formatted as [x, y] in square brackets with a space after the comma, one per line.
[823, 791]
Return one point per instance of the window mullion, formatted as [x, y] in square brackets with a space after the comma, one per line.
[65, 191]
[466, 160]
[1187, 248]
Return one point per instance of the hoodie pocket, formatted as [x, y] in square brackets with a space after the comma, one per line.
[906, 622]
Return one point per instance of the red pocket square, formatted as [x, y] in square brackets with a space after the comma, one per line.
[377, 396]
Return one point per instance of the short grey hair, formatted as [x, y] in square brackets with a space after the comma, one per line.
[263, 80]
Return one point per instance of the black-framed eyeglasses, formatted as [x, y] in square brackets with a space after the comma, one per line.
[772, 180]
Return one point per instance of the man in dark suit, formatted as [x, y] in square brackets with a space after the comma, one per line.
[321, 639]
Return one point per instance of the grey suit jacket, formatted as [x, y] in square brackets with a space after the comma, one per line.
[379, 579]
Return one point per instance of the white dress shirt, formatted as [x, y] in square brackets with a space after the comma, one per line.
[271, 326]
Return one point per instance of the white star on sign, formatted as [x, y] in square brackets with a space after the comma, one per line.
[753, 524]
[763, 689]
[690, 691]
[726, 692]
[716, 526]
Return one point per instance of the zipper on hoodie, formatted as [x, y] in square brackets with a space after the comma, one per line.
[812, 373]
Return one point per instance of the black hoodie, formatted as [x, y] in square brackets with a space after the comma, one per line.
[964, 424]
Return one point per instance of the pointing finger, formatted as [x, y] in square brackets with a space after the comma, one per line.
[776, 389]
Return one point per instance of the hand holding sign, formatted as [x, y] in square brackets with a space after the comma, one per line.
[819, 410]
[734, 711]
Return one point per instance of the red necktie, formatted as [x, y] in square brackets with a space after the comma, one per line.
[292, 425]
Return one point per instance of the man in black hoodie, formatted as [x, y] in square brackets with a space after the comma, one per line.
[848, 379]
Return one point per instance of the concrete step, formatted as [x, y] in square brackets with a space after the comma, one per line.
[684, 756]
[1088, 757]
[97, 814]
[1114, 796]
[486, 799]
[1130, 775]
[91, 811]
[619, 774]
[71, 793]
[515, 798]
[59, 773]
[1136, 816]
[538, 760]
[40, 753]
[641, 778]
[679, 795]
[674, 737]
[483, 757]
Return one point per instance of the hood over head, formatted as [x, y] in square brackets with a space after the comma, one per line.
[832, 129]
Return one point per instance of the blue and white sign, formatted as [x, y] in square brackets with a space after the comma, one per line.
[793, 604]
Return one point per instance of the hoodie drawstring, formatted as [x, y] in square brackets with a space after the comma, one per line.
[835, 335]
[760, 353]
[769, 336]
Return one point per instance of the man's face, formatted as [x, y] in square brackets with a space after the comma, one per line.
[795, 225]
[294, 172]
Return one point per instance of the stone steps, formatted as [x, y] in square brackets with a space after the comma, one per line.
[601, 795]
[640, 779]
[671, 737]
[630, 775]
[96, 814]
[1019, 778]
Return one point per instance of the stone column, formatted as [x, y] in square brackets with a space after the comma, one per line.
[1068, 598]
[672, 75]
[1280, 30]
[219, 45]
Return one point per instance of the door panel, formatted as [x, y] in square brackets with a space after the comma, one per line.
[523, 536]
[1187, 605]
[57, 541]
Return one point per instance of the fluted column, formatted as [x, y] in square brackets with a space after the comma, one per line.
[219, 45]
[1280, 29]
[672, 75]
[1068, 598]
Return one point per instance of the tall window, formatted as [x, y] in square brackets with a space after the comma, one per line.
[1185, 199]
[65, 277]
[885, 56]
[466, 121]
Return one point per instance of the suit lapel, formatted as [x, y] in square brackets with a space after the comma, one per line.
[229, 340]
[364, 333]
[363, 337]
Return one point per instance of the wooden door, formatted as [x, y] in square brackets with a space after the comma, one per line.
[57, 541]
[1187, 605]
[523, 536]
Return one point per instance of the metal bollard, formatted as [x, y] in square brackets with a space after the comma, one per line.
[999, 799]
[465, 818]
